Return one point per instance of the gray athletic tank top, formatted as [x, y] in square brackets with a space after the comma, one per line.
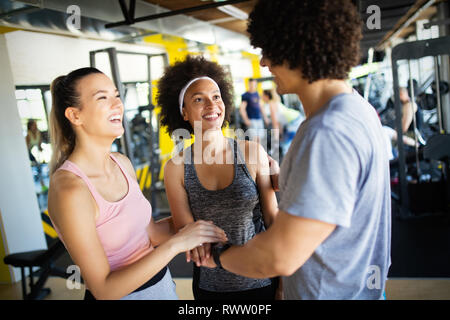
[235, 209]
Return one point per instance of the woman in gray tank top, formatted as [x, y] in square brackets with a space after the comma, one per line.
[217, 178]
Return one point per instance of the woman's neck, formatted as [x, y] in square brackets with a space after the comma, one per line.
[92, 156]
[211, 144]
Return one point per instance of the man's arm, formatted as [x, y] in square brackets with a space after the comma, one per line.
[322, 202]
[408, 110]
[280, 250]
[406, 140]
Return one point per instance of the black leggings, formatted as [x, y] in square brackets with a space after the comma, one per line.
[265, 293]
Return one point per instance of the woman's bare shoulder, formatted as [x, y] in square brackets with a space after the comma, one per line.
[67, 190]
[175, 165]
[252, 151]
[63, 181]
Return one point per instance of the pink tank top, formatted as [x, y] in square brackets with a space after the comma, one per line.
[121, 225]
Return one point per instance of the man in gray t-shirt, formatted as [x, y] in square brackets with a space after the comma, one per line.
[331, 236]
[335, 171]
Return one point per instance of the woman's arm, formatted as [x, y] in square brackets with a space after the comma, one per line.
[257, 162]
[40, 141]
[179, 206]
[263, 113]
[27, 140]
[73, 210]
[268, 199]
[273, 115]
[160, 231]
[176, 194]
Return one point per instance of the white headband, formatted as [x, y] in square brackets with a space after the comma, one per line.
[183, 91]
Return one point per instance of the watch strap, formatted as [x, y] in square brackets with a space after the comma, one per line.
[217, 250]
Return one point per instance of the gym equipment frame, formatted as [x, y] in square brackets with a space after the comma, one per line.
[154, 134]
[413, 51]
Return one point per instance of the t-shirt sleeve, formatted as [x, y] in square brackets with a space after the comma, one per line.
[323, 178]
[244, 97]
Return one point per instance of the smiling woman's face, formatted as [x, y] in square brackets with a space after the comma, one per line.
[203, 103]
[101, 110]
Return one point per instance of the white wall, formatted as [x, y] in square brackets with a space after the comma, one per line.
[38, 58]
[21, 220]
[239, 67]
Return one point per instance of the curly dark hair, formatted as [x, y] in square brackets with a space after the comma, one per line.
[319, 37]
[177, 76]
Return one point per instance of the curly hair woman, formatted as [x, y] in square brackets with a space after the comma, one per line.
[236, 193]
[331, 237]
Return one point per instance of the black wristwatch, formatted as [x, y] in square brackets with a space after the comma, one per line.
[217, 250]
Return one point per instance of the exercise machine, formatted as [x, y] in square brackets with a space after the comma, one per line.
[126, 144]
[42, 259]
[423, 183]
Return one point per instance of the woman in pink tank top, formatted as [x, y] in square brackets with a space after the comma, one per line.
[95, 203]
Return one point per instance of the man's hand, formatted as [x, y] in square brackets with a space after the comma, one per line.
[274, 173]
[199, 255]
[209, 262]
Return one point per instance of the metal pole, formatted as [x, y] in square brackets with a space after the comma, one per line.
[165, 60]
[12, 13]
[30, 270]
[402, 183]
[437, 80]
[154, 154]
[92, 58]
[149, 79]
[173, 13]
[24, 283]
[413, 102]
[125, 139]
[438, 94]
[443, 13]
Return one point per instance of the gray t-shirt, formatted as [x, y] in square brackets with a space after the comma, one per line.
[337, 171]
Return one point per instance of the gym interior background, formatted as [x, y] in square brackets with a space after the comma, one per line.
[406, 43]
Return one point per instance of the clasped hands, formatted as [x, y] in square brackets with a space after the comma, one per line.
[201, 256]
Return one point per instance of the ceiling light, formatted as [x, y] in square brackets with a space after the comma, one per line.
[234, 12]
